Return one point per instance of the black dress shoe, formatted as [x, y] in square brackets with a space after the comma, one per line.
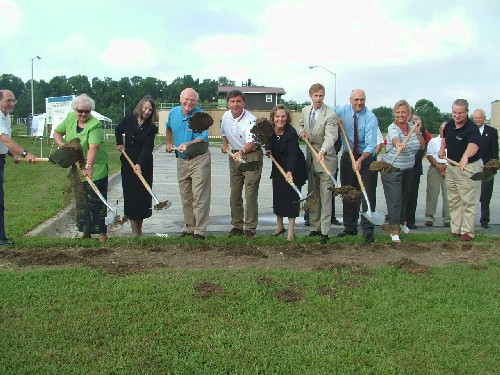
[315, 233]
[369, 237]
[324, 239]
[345, 234]
[485, 225]
[335, 221]
[199, 237]
[185, 234]
[412, 226]
[277, 234]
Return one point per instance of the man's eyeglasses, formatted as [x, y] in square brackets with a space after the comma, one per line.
[86, 111]
[14, 101]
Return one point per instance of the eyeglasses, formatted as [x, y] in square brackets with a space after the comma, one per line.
[14, 101]
[86, 111]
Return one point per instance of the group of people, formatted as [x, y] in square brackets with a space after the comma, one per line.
[468, 143]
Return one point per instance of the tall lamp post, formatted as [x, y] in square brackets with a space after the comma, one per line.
[335, 75]
[32, 100]
[123, 96]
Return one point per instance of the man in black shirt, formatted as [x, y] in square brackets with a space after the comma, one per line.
[461, 140]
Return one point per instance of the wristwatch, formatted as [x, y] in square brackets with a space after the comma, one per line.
[24, 153]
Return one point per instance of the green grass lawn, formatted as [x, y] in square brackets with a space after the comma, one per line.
[378, 321]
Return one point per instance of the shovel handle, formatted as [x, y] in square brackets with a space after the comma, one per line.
[96, 190]
[239, 160]
[37, 159]
[405, 141]
[141, 177]
[322, 162]
[358, 175]
[282, 171]
[453, 162]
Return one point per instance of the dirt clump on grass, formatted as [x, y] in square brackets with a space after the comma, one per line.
[350, 257]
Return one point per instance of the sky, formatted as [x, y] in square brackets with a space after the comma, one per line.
[405, 49]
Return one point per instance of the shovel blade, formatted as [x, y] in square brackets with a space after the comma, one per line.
[483, 176]
[375, 217]
[110, 218]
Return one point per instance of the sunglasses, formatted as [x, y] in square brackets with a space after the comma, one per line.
[86, 111]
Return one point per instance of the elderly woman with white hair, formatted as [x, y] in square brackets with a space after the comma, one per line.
[81, 124]
[397, 185]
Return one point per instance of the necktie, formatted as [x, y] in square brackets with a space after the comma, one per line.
[312, 121]
[355, 149]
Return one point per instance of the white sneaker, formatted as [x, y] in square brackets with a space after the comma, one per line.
[395, 238]
[405, 229]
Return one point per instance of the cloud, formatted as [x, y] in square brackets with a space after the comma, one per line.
[12, 20]
[130, 54]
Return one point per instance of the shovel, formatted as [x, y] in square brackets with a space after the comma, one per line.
[478, 176]
[159, 205]
[322, 162]
[373, 216]
[195, 149]
[246, 166]
[405, 141]
[308, 200]
[111, 215]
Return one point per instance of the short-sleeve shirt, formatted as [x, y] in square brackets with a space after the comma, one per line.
[237, 130]
[4, 129]
[457, 140]
[92, 133]
[178, 123]
[406, 158]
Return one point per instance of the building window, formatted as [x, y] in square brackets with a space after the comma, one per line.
[269, 98]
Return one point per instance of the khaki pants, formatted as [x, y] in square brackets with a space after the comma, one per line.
[250, 180]
[435, 184]
[195, 188]
[463, 197]
[320, 213]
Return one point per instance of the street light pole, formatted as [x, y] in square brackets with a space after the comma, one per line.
[32, 96]
[335, 75]
[123, 96]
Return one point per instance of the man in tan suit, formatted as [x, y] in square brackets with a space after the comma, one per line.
[319, 126]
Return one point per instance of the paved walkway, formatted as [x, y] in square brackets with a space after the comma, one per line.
[170, 221]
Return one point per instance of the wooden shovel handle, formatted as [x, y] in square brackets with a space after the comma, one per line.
[98, 193]
[37, 159]
[315, 153]
[405, 141]
[358, 175]
[141, 177]
[239, 160]
[453, 162]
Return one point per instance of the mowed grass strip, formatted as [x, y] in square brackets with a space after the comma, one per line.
[337, 321]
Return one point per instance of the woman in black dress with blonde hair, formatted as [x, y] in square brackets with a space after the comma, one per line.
[140, 131]
[285, 149]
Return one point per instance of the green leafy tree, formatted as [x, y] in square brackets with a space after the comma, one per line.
[430, 114]
[385, 117]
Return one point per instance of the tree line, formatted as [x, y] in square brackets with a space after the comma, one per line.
[111, 96]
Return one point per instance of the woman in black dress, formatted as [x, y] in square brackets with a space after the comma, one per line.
[139, 130]
[285, 149]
